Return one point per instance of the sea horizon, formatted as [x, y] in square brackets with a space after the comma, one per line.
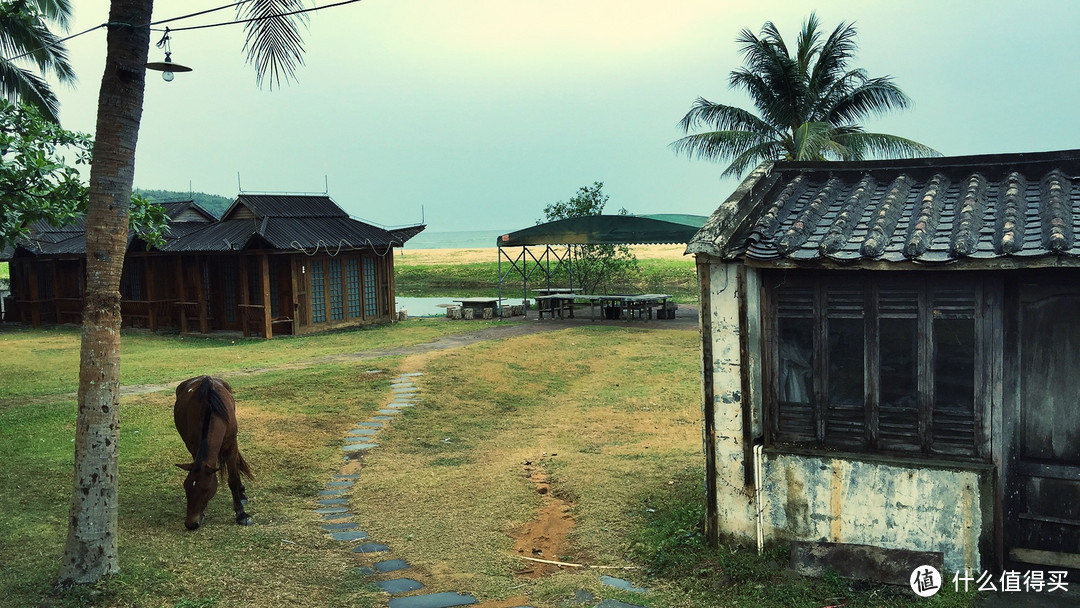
[457, 239]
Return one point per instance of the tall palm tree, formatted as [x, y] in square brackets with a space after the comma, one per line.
[25, 34]
[90, 552]
[809, 105]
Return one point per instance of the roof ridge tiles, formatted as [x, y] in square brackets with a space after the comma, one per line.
[969, 218]
[810, 216]
[1013, 203]
[886, 217]
[925, 225]
[1056, 212]
[845, 222]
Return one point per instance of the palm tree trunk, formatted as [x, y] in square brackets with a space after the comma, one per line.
[91, 549]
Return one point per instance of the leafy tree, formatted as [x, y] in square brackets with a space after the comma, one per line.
[809, 105]
[37, 182]
[273, 46]
[595, 267]
[24, 33]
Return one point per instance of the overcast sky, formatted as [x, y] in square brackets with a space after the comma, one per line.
[482, 112]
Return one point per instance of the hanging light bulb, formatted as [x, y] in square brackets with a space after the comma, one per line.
[167, 67]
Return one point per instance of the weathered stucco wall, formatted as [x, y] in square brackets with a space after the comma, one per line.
[895, 507]
[901, 505]
[735, 502]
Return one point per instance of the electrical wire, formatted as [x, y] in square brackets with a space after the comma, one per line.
[188, 16]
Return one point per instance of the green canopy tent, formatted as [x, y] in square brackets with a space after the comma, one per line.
[559, 238]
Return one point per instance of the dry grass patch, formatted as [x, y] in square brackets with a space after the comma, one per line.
[448, 488]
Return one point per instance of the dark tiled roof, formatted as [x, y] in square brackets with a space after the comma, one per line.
[942, 210]
[287, 205]
[305, 225]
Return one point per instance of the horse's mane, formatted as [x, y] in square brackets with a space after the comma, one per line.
[214, 405]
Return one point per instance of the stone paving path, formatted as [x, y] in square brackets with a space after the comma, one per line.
[388, 573]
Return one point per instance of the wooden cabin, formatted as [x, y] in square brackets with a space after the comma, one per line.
[273, 264]
[891, 354]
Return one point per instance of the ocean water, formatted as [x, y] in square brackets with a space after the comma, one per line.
[461, 239]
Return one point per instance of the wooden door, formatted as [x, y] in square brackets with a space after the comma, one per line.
[1042, 497]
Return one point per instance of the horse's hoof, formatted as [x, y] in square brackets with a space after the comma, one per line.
[244, 520]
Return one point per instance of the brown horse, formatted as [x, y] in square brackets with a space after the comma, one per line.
[205, 416]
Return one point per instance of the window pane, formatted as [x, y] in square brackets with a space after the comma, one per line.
[337, 312]
[898, 413]
[846, 417]
[954, 422]
[954, 386]
[318, 293]
[796, 384]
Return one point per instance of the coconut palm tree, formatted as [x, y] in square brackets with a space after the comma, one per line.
[90, 552]
[809, 105]
[25, 34]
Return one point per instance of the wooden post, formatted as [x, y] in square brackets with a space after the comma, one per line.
[150, 294]
[264, 292]
[35, 311]
[181, 295]
[200, 297]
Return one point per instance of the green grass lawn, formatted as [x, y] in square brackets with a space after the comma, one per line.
[676, 277]
[608, 415]
[46, 361]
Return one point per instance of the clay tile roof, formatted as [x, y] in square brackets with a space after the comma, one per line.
[940, 210]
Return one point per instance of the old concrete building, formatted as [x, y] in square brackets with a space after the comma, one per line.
[891, 358]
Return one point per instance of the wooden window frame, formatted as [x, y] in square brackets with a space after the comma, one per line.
[871, 284]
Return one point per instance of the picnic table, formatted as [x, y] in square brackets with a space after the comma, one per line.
[624, 306]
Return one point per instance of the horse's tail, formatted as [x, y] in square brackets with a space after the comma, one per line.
[242, 465]
[214, 405]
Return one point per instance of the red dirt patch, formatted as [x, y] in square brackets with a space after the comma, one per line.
[544, 537]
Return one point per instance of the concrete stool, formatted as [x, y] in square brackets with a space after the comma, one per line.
[488, 313]
[468, 314]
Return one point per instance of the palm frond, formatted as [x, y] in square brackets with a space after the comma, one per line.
[56, 11]
[718, 145]
[752, 157]
[874, 96]
[25, 33]
[807, 47]
[883, 145]
[832, 58]
[719, 117]
[810, 141]
[274, 45]
[25, 86]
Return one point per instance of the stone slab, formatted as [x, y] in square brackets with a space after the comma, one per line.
[349, 476]
[396, 405]
[617, 604]
[398, 586]
[862, 562]
[411, 375]
[334, 516]
[366, 431]
[382, 418]
[391, 565]
[329, 510]
[362, 439]
[376, 425]
[329, 502]
[389, 411]
[334, 492]
[371, 548]
[623, 584]
[358, 447]
[445, 599]
[340, 527]
[349, 535]
[339, 484]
